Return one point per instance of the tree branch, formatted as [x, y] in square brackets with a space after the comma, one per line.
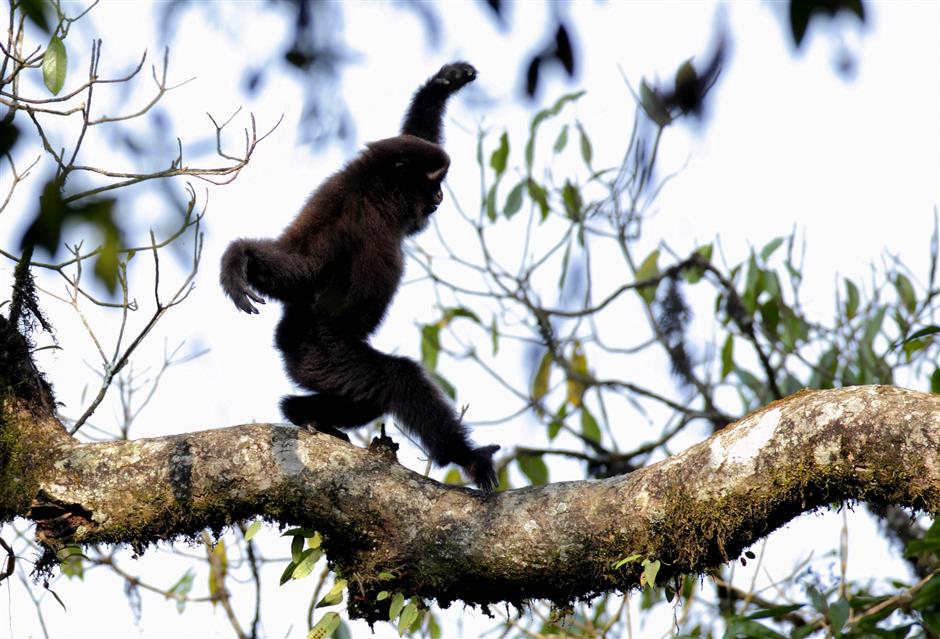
[691, 512]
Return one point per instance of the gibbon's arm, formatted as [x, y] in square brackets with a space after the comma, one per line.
[425, 117]
[250, 267]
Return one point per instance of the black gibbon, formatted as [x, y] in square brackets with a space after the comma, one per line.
[336, 268]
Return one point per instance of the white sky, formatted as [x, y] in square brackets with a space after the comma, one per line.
[853, 164]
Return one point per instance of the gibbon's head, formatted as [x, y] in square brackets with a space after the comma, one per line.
[413, 169]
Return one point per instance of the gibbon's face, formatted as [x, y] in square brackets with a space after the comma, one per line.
[426, 193]
[414, 168]
[430, 200]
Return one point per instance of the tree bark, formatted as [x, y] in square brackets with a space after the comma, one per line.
[560, 541]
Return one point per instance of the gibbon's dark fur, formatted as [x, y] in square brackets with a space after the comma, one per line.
[336, 268]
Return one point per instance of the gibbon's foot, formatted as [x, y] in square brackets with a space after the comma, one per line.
[384, 445]
[313, 427]
[455, 75]
[481, 469]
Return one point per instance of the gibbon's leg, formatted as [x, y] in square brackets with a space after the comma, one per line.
[264, 266]
[328, 410]
[425, 117]
[355, 371]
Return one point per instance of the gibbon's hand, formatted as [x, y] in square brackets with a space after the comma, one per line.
[455, 75]
[237, 287]
[243, 304]
[241, 297]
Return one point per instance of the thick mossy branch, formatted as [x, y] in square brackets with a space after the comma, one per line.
[560, 541]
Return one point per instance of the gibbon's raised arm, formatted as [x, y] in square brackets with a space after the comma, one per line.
[267, 267]
[425, 117]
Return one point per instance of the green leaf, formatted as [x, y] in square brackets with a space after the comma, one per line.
[838, 615]
[626, 560]
[924, 332]
[54, 65]
[727, 356]
[70, 558]
[382, 596]
[514, 200]
[753, 285]
[453, 477]
[578, 364]
[873, 325]
[325, 627]
[561, 140]
[906, 292]
[490, 202]
[771, 283]
[649, 269]
[45, 230]
[494, 335]
[409, 615]
[776, 612]
[433, 627]
[453, 312]
[430, 345]
[565, 259]
[542, 376]
[589, 427]
[770, 316]
[217, 577]
[929, 544]
[35, 10]
[288, 573]
[587, 153]
[308, 559]
[769, 249]
[181, 588]
[534, 468]
[571, 195]
[296, 548]
[398, 602]
[650, 570]
[500, 156]
[929, 595]
[314, 540]
[935, 381]
[685, 76]
[816, 599]
[851, 299]
[539, 195]
[695, 273]
[253, 530]
[653, 106]
[912, 346]
[334, 596]
[107, 263]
